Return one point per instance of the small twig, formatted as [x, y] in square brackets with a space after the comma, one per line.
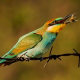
[79, 58]
[49, 58]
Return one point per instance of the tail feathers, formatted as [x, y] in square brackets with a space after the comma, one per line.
[2, 62]
[5, 63]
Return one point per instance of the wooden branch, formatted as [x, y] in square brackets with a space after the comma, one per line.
[50, 57]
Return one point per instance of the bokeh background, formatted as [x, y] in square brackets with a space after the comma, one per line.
[18, 17]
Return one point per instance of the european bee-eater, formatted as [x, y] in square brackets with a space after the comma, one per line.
[36, 43]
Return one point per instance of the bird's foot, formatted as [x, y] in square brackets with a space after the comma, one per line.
[21, 58]
[27, 59]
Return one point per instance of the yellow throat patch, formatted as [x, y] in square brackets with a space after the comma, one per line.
[56, 28]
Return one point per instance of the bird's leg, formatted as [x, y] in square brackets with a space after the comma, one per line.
[26, 57]
[21, 58]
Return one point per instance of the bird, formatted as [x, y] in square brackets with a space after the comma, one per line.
[36, 43]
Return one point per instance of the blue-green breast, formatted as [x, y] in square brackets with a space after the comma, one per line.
[43, 46]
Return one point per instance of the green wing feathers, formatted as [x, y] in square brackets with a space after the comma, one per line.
[22, 45]
[27, 42]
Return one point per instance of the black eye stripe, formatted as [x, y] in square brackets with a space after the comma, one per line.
[56, 22]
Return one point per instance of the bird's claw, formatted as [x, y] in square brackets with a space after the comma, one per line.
[27, 59]
[21, 58]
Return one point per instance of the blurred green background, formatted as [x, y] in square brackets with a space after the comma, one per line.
[18, 17]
